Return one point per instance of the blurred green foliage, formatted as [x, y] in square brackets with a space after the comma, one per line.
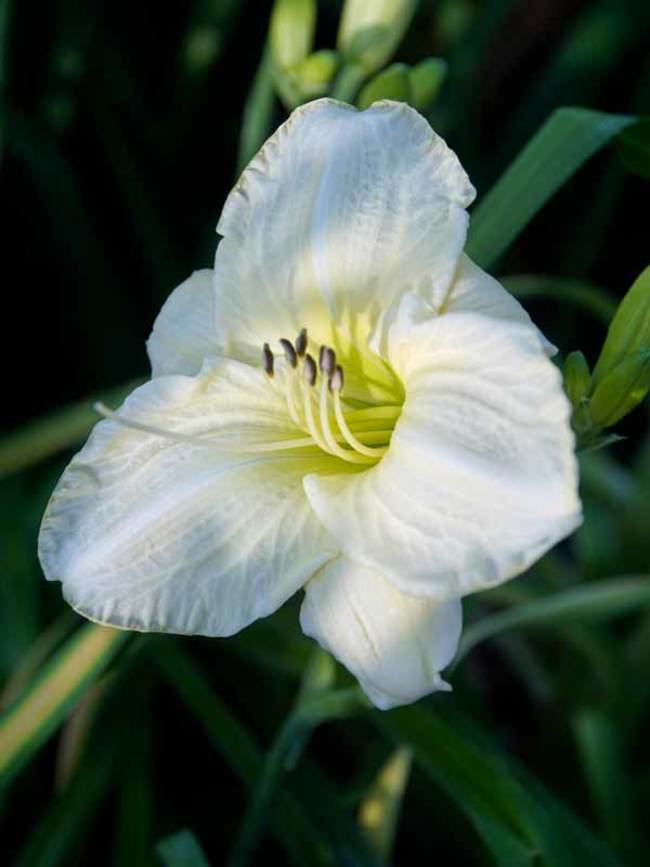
[122, 128]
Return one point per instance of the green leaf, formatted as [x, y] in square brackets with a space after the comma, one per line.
[629, 330]
[316, 702]
[598, 601]
[56, 432]
[28, 723]
[181, 849]
[588, 296]
[564, 143]
[518, 821]
[634, 148]
[293, 827]
[600, 749]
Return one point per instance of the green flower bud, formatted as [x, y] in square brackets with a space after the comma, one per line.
[316, 72]
[292, 31]
[629, 331]
[371, 30]
[392, 83]
[623, 388]
[426, 79]
[577, 379]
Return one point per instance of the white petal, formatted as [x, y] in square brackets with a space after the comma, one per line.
[480, 477]
[149, 533]
[475, 291]
[184, 331]
[394, 644]
[340, 212]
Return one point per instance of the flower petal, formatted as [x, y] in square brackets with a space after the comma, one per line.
[340, 212]
[153, 533]
[184, 331]
[475, 291]
[480, 477]
[394, 644]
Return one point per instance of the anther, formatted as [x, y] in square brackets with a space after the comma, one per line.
[301, 342]
[289, 351]
[310, 370]
[336, 379]
[267, 360]
[327, 360]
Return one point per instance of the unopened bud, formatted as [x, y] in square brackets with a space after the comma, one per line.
[623, 388]
[392, 83]
[292, 31]
[426, 80]
[315, 73]
[371, 30]
[629, 331]
[577, 379]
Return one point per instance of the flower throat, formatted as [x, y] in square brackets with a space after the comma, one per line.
[313, 394]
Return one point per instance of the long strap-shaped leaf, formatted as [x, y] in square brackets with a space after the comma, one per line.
[27, 724]
[568, 138]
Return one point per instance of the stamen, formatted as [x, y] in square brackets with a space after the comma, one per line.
[345, 430]
[336, 379]
[327, 360]
[289, 351]
[301, 342]
[267, 360]
[310, 370]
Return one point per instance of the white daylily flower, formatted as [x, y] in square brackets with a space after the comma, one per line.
[409, 446]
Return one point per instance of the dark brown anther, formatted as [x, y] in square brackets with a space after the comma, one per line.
[311, 371]
[327, 360]
[301, 342]
[267, 360]
[336, 379]
[289, 351]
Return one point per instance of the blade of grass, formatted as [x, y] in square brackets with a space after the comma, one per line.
[600, 750]
[563, 144]
[302, 840]
[27, 724]
[60, 430]
[519, 822]
[599, 601]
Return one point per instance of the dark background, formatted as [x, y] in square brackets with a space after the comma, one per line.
[118, 154]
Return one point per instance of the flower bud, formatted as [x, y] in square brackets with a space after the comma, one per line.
[629, 331]
[623, 388]
[426, 80]
[292, 31]
[371, 30]
[391, 83]
[315, 73]
[577, 379]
